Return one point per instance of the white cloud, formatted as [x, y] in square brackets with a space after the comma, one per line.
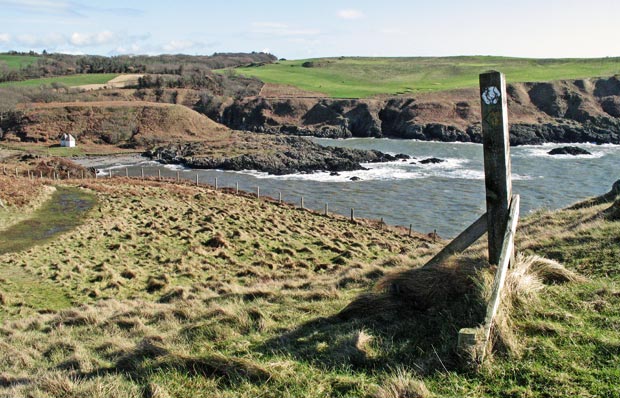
[48, 40]
[179, 45]
[90, 39]
[350, 14]
[4, 38]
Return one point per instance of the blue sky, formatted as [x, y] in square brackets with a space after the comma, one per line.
[305, 29]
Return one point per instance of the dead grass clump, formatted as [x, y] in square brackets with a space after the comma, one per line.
[155, 391]
[76, 317]
[4, 300]
[524, 280]
[156, 283]
[149, 348]
[56, 385]
[551, 271]
[613, 212]
[402, 384]
[227, 369]
[217, 241]
[427, 287]
[178, 293]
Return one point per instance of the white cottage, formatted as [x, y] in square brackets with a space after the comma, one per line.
[67, 140]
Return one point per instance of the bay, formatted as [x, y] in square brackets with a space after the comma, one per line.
[445, 197]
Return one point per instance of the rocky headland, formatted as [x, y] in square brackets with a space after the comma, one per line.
[586, 110]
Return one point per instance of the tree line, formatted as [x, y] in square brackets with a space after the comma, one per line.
[48, 65]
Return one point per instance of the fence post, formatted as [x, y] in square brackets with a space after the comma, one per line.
[302, 202]
[326, 209]
[237, 187]
[159, 174]
[496, 144]
[41, 173]
[142, 172]
[257, 192]
[110, 173]
[216, 183]
[280, 197]
[16, 172]
[410, 228]
[352, 214]
[126, 172]
[196, 179]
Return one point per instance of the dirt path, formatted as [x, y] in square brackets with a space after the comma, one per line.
[62, 212]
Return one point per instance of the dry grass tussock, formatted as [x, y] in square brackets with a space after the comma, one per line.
[402, 384]
[524, 280]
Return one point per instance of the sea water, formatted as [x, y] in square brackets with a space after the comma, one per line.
[445, 197]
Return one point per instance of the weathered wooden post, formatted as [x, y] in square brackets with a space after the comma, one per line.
[178, 176]
[142, 172]
[496, 144]
[301, 203]
[257, 192]
[196, 179]
[110, 176]
[216, 183]
[159, 174]
[326, 209]
[410, 229]
[352, 214]
[280, 197]
[41, 174]
[16, 173]
[82, 174]
[126, 172]
[237, 187]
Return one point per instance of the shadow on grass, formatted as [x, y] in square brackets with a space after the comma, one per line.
[412, 321]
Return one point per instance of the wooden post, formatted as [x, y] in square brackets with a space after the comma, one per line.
[280, 197]
[352, 214]
[68, 175]
[16, 172]
[216, 183]
[142, 172]
[257, 192]
[82, 174]
[496, 144]
[196, 179]
[159, 174]
[41, 174]
[126, 172]
[410, 229]
[110, 173]
[178, 176]
[237, 187]
[301, 203]
[326, 209]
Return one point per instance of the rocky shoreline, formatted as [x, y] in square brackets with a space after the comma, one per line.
[576, 111]
[299, 156]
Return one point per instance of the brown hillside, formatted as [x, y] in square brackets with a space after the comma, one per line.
[133, 123]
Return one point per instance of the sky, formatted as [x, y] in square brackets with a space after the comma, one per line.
[296, 29]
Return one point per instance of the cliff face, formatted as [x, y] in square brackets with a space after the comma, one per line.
[563, 111]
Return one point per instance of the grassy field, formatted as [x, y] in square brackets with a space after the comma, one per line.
[172, 290]
[17, 61]
[354, 77]
[71, 80]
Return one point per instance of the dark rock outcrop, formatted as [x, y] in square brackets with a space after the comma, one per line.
[296, 155]
[586, 110]
[569, 150]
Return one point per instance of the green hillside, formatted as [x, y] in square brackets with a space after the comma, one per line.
[354, 77]
[71, 80]
[17, 61]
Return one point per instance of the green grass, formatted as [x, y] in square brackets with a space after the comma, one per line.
[17, 61]
[187, 291]
[71, 80]
[356, 77]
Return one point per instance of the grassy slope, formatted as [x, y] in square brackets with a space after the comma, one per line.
[230, 297]
[72, 80]
[362, 77]
[17, 61]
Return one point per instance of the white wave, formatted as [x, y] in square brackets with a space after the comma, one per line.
[452, 168]
[178, 167]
